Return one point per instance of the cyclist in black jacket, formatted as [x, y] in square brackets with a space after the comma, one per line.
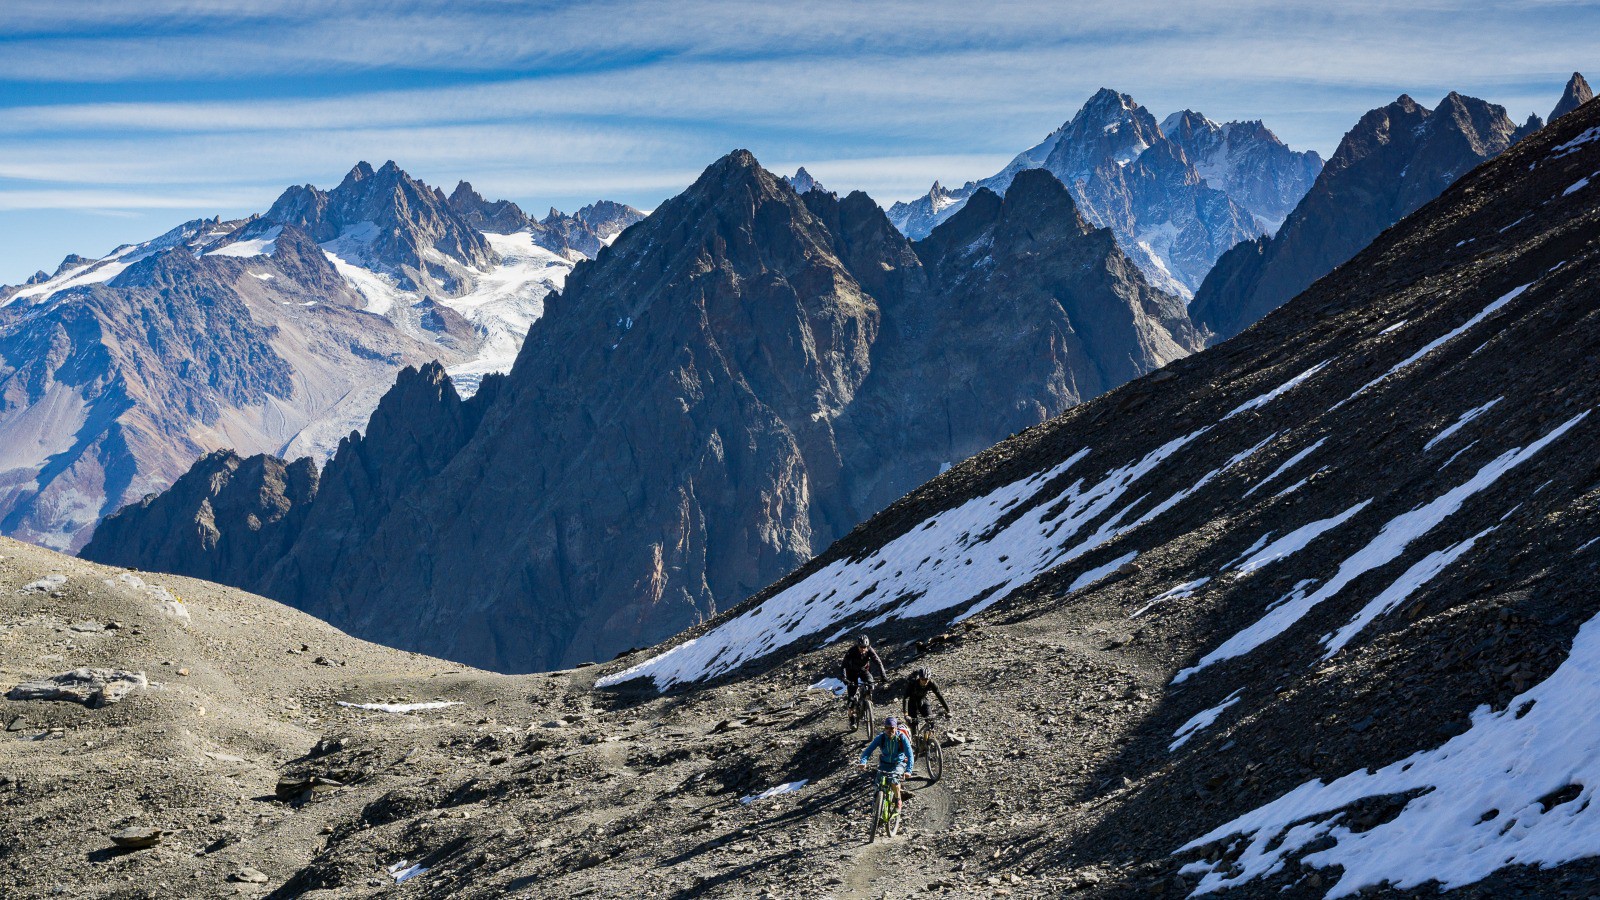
[858, 662]
[914, 702]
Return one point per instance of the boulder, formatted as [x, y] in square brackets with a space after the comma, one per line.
[93, 688]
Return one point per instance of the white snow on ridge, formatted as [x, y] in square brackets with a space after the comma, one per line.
[1395, 594]
[1287, 465]
[1186, 589]
[400, 707]
[258, 246]
[502, 304]
[1438, 342]
[1387, 546]
[1483, 805]
[1099, 573]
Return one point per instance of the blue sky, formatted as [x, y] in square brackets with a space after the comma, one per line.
[121, 118]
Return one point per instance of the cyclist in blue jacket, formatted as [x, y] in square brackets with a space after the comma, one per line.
[895, 756]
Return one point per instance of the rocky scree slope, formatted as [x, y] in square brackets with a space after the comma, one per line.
[272, 334]
[731, 385]
[1177, 194]
[1394, 160]
[1341, 567]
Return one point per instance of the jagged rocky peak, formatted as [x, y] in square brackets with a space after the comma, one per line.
[1396, 158]
[1576, 94]
[590, 228]
[803, 183]
[1177, 194]
[1111, 126]
[765, 368]
[180, 526]
[499, 216]
[391, 222]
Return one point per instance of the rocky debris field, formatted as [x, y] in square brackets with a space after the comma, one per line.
[236, 770]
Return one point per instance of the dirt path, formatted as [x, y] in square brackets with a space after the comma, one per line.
[879, 869]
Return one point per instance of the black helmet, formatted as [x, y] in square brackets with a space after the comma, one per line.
[863, 641]
[921, 674]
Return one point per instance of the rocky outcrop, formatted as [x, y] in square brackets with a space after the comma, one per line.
[1177, 195]
[1577, 93]
[736, 382]
[1393, 161]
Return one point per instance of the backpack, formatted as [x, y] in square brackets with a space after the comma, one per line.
[904, 734]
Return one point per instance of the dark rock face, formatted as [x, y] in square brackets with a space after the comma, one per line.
[591, 228]
[733, 384]
[1177, 195]
[1576, 95]
[1392, 162]
[261, 494]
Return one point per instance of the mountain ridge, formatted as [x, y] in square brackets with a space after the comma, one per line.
[782, 342]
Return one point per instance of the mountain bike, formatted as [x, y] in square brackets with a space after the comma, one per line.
[925, 742]
[885, 817]
[860, 707]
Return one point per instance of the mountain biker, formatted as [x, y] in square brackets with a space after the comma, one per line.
[895, 756]
[858, 662]
[914, 702]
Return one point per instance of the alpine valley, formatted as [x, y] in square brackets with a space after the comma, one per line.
[1310, 613]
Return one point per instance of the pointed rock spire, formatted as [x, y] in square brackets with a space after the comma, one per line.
[1576, 95]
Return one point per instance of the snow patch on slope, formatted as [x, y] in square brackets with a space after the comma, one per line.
[1386, 547]
[1482, 803]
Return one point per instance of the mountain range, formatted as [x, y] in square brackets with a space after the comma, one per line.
[1393, 161]
[1177, 194]
[275, 333]
[1306, 614]
[734, 383]
[877, 374]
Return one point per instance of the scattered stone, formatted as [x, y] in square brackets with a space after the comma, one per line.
[17, 723]
[94, 688]
[326, 661]
[137, 838]
[248, 875]
[294, 787]
[88, 627]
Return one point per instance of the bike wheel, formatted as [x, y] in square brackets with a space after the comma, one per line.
[935, 760]
[894, 824]
[880, 800]
[866, 717]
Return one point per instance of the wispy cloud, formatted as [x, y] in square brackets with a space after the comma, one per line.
[185, 104]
